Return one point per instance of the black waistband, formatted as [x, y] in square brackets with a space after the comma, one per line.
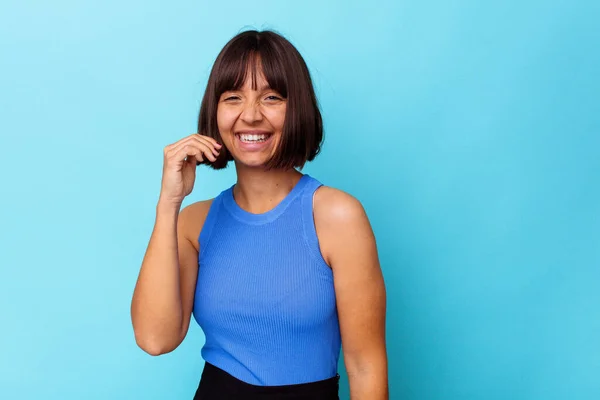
[218, 384]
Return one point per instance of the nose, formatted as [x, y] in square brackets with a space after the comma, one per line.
[251, 113]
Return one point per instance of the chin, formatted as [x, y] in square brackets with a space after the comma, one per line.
[253, 159]
[252, 162]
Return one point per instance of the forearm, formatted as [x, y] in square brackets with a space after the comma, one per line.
[156, 308]
[369, 383]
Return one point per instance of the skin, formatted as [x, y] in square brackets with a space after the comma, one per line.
[163, 297]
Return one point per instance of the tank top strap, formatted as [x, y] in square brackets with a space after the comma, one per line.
[213, 211]
[308, 220]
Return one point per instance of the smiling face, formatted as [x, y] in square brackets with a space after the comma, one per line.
[260, 104]
[250, 120]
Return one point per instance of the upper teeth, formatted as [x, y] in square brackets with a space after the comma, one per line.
[246, 137]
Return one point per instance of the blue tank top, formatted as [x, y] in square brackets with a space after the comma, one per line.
[264, 297]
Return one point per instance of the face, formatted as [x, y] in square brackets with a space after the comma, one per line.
[251, 121]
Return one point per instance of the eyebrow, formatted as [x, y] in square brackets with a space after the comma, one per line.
[258, 89]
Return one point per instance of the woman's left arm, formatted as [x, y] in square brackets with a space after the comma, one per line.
[348, 246]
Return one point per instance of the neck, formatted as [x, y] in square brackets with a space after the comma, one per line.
[258, 191]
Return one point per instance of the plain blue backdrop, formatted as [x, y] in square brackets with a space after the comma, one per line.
[470, 131]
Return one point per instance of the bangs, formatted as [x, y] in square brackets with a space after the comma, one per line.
[246, 58]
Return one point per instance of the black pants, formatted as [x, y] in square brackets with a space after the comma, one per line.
[216, 384]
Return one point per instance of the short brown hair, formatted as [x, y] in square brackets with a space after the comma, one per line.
[286, 72]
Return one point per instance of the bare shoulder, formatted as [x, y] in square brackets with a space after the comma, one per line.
[191, 220]
[340, 220]
[335, 206]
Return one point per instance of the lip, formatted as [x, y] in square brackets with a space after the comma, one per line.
[253, 147]
[252, 132]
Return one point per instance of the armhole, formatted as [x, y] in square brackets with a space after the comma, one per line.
[308, 222]
[207, 227]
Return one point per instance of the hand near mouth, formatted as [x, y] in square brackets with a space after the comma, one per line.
[179, 167]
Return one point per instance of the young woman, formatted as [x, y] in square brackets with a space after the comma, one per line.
[278, 270]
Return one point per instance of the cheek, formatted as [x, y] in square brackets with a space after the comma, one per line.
[277, 118]
[225, 123]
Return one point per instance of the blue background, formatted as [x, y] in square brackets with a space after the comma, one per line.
[470, 130]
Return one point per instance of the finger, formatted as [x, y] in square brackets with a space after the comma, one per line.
[175, 147]
[210, 142]
[194, 160]
[177, 144]
[186, 142]
[208, 152]
[185, 152]
[207, 149]
[201, 150]
[195, 139]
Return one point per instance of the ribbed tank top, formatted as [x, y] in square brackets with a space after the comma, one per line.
[264, 297]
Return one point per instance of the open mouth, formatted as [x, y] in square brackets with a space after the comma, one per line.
[253, 137]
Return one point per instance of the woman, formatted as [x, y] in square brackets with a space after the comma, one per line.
[278, 270]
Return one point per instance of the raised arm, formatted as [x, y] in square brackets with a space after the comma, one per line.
[164, 292]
